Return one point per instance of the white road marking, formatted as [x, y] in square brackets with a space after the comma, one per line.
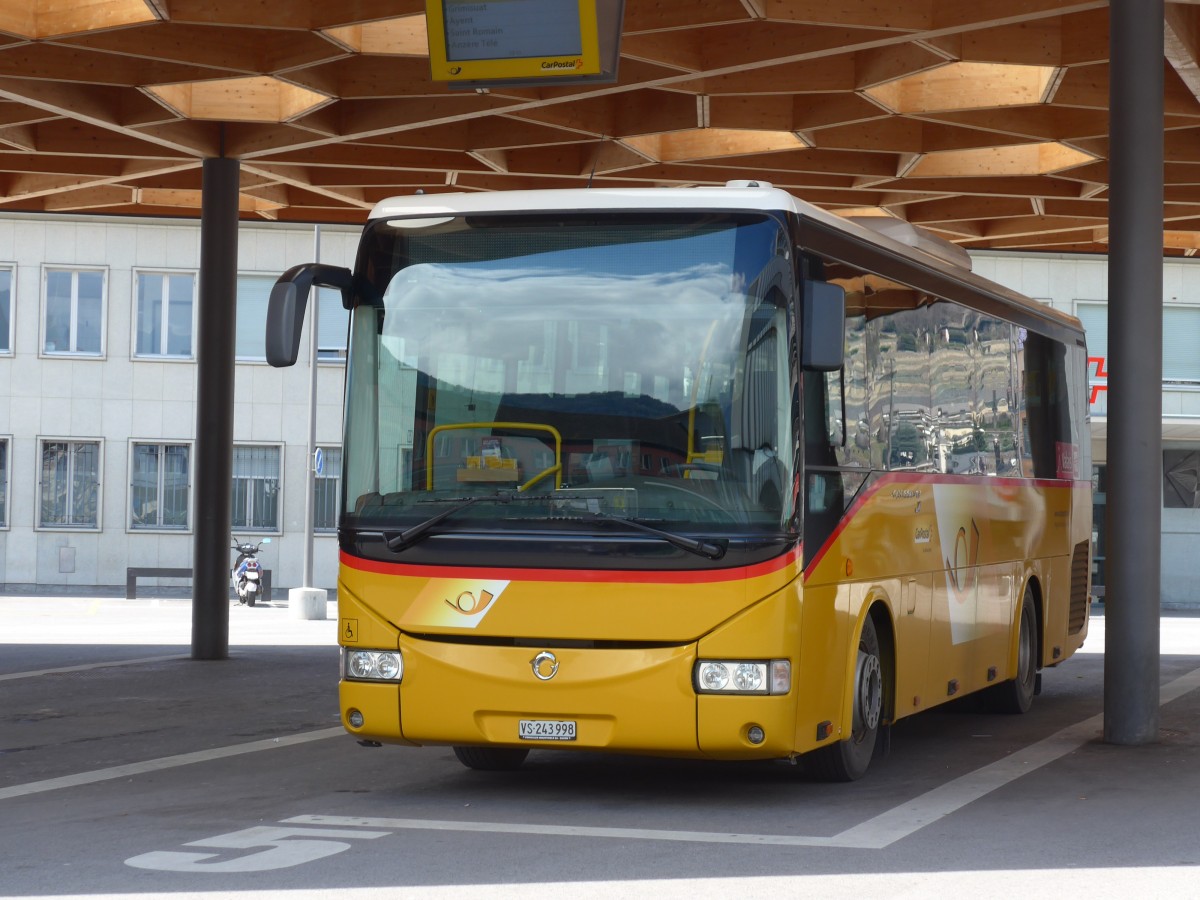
[166, 762]
[284, 848]
[97, 665]
[636, 834]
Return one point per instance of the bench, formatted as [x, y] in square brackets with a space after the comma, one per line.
[133, 573]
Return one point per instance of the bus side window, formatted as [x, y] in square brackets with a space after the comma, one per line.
[855, 450]
[835, 405]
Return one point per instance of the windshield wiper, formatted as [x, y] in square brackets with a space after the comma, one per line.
[707, 549]
[410, 536]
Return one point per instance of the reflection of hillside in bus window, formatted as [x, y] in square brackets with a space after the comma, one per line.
[995, 411]
[908, 400]
[953, 380]
[856, 451]
[878, 382]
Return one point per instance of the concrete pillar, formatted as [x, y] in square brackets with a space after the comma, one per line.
[1132, 596]
[217, 311]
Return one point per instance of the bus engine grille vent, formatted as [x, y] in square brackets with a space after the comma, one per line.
[1079, 588]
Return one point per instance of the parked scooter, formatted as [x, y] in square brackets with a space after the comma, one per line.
[247, 572]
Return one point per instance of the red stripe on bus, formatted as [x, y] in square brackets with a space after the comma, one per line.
[698, 576]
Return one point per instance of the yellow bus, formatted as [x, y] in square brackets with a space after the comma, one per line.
[697, 472]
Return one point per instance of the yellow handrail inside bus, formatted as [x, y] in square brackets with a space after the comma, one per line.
[555, 469]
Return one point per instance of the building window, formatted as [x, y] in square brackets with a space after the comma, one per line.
[256, 488]
[74, 312]
[253, 291]
[6, 308]
[333, 325]
[158, 487]
[1181, 329]
[1181, 479]
[3, 482]
[325, 490]
[165, 301]
[69, 488]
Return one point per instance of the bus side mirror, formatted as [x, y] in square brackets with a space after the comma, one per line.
[289, 298]
[822, 327]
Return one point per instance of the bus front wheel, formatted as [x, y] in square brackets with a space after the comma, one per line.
[848, 760]
[491, 759]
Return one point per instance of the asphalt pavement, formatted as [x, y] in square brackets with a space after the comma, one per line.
[128, 769]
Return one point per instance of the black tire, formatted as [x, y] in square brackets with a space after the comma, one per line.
[250, 599]
[491, 759]
[849, 759]
[1015, 697]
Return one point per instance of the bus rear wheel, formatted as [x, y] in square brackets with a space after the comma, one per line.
[1016, 696]
[849, 759]
[491, 759]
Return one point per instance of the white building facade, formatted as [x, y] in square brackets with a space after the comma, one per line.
[98, 402]
[98, 399]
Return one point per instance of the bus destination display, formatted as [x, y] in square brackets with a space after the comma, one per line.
[505, 39]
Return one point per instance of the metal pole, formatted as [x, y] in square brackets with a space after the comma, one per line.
[1132, 601]
[310, 469]
[214, 408]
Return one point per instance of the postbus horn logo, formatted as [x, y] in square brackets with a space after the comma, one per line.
[467, 604]
[961, 572]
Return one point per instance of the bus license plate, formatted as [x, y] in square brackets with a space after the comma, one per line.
[546, 730]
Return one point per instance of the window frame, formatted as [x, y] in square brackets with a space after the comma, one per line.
[277, 529]
[135, 315]
[261, 357]
[71, 441]
[1173, 381]
[7, 335]
[75, 271]
[159, 528]
[6, 463]
[331, 353]
[337, 492]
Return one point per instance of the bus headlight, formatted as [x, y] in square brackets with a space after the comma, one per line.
[743, 676]
[372, 665]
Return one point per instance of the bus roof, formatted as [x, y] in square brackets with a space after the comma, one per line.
[918, 245]
[736, 195]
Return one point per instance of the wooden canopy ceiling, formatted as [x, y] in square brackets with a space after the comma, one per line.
[983, 120]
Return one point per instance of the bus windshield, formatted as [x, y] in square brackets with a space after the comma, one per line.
[597, 365]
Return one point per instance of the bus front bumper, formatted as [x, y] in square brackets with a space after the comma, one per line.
[632, 700]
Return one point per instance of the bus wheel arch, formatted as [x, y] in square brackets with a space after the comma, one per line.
[1034, 587]
[886, 634]
[872, 688]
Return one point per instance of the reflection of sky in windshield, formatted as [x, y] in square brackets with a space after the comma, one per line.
[658, 321]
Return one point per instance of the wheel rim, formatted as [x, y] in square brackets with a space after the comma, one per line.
[868, 694]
